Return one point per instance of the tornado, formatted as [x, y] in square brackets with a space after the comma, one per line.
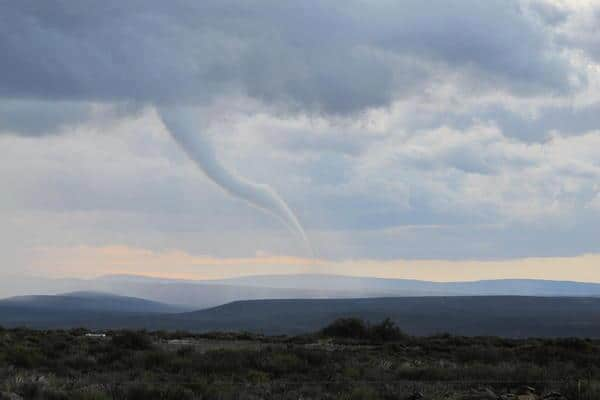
[180, 124]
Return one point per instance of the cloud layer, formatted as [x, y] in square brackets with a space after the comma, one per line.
[412, 130]
[317, 56]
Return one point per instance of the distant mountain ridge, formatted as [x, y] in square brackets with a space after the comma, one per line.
[345, 283]
[504, 287]
[210, 293]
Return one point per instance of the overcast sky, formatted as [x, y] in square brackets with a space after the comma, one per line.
[395, 130]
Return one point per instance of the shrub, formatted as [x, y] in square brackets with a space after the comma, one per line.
[363, 393]
[145, 392]
[255, 376]
[386, 331]
[30, 390]
[132, 340]
[314, 358]
[185, 351]
[112, 355]
[55, 394]
[156, 359]
[284, 363]
[78, 331]
[23, 357]
[177, 393]
[80, 362]
[349, 328]
[142, 392]
[354, 328]
[222, 361]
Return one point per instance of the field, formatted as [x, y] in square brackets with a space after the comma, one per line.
[348, 359]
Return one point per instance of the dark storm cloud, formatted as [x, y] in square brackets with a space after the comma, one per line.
[34, 117]
[315, 55]
[494, 36]
[187, 51]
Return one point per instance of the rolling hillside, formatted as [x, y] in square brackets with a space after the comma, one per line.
[90, 301]
[511, 316]
[86, 309]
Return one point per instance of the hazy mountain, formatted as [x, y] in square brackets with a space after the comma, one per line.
[512, 316]
[204, 294]
[194, 294]
[86, 309]
[350, 286]
[409, 287]
[90, 301]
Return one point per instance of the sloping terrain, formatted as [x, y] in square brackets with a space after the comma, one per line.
[509, 316]
[90, 301]
[77, 309]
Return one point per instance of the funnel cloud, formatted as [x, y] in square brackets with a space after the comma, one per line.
[180, 123]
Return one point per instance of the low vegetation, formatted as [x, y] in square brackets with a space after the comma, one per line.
[349, 359]
[354, 328]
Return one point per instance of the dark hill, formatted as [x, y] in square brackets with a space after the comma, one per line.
[510, 316]
[88, 301]
[514, 316]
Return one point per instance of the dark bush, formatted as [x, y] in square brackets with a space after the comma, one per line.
[146, 392]
[313, 357]
[23, 357]
[355, 328]
[283, 363]
[349, 328]
[178, 393]
[224, 361]
[156, 359]
[80, 362]
[30, 390]
[142, 392]
[132, 340]
[55, 394]
[386, 331]
[111, 354]
[78, 331]
[185, 351]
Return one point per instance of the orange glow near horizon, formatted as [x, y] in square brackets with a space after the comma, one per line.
[88, 262]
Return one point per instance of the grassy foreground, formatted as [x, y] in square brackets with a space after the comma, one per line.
[346, 360]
